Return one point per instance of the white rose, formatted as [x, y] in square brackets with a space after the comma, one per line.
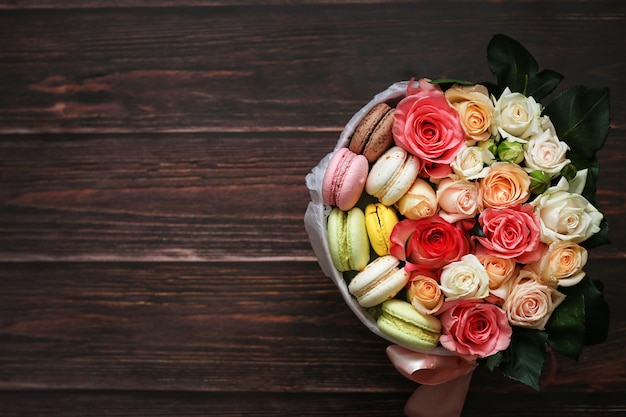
[565, 216]
[545, 152]
[517, 117]
[465, 279]
[419, 201]
[458, 199]
[470, 162]
[561, 265]
[529, 303]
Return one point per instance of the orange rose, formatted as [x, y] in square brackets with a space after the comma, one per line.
[424, 293]
[500, 271]
[505, 185]
[475, 109]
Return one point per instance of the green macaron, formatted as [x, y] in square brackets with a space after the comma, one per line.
[403, 323]
[347, 239]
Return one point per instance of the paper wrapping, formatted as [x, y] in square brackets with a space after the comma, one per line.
[317, 213]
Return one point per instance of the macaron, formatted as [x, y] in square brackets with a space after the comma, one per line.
[373, 135]
[379, 222]
[347, 239]
[344, 179]
[402, 322]
[392, 175]
[379, 281]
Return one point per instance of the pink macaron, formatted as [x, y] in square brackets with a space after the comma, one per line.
[344, 179]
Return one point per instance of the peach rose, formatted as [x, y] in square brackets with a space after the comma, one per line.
[529, 303]
[475, 109]
[423, 292]
[419, 201]
[505, 185]
[500, 271]
[458, 199]
[561, 265]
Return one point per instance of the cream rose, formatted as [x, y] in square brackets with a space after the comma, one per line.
[423, 293]
[458, 199]
[500, 272]
[475, 109]
[419, 201]
[545, 152]
[470, 162]
[529, 303]
[565, 216]
[505, 185]
[465, 279]
[516, 116]
[561, 265]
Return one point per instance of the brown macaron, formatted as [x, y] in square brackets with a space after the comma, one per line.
[373, 135]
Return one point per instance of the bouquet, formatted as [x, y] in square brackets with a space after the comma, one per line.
[456, 217]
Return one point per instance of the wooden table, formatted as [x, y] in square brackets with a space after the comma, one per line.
[152, 163]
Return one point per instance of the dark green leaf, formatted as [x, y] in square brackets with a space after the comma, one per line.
[597, 314]
[566, 327]
[448, 82]
[543, 83]
[510, 63]
[527, 355]
[514, 67]
[493, 361]
[581, 117]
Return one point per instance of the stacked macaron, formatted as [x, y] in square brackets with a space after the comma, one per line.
[362, 184]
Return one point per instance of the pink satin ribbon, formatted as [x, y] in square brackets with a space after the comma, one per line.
[445, 381]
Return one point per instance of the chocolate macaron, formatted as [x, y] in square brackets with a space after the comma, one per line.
[373, 135]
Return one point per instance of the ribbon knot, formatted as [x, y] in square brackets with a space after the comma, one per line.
[445, 381]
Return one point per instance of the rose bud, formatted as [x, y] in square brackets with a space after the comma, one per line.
[509, 151]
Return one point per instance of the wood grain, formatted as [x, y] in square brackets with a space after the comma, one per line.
[268, 69]
[153, 259]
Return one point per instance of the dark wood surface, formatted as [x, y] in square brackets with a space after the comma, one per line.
[153, 259]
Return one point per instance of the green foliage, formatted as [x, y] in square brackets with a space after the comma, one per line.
[527, 353]
[514, 67]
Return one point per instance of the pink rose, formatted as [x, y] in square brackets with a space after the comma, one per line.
[510, 233]
[474, 329]
[427, 126]
[428, 243]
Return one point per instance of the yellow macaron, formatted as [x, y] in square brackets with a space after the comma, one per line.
[379, 222]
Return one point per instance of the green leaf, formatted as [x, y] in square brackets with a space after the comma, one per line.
[581, 117]
[527, 355]
[514, 67]
[543, 83]
[493, 361]
[566, 327]
[597, 314]
[451, 81]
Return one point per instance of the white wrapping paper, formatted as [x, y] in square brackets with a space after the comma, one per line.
[317, 213]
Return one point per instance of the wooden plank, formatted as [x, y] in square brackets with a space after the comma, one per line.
[262, 404]
[271, 69]
[226, 327]
[185, 197]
